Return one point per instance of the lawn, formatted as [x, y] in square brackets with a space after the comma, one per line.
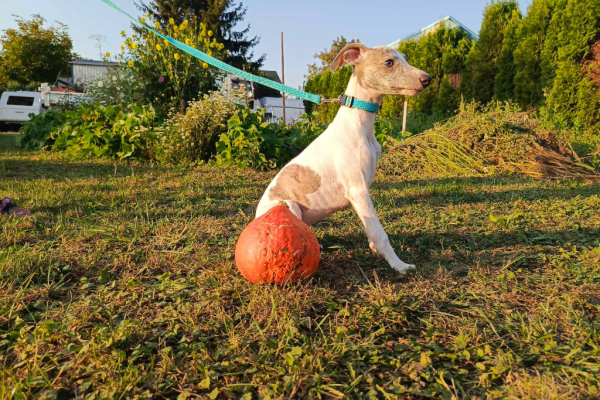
[122, 284]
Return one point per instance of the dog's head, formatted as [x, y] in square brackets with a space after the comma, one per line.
[382, 69]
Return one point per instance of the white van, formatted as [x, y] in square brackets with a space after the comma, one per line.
[15, 107]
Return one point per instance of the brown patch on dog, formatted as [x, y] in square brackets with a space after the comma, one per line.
[294, 183]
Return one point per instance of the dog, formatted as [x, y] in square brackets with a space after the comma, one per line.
[336, 170]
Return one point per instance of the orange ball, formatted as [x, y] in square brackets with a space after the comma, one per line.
[277, 247]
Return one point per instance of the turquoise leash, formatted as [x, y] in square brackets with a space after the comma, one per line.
[347, 101]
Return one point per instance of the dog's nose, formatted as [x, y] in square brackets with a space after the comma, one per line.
[425, 80]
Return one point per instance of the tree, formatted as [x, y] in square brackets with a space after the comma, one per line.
[33, 53]
[327, 55]
[482, 62]
[221, 16]
[504, 86]
[530, 38]
[571, 94]
[442, 55]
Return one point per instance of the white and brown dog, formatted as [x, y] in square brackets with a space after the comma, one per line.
[337, 169]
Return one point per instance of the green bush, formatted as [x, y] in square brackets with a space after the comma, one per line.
[118, 86]
[14, 86]
[252, 142]
[95, 130]
[191, 137]
[37, 132]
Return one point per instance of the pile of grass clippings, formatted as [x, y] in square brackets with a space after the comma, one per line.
[490, 140]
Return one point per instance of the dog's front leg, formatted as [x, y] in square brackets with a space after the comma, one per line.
[378, 239]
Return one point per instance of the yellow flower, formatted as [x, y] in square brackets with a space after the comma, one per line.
[182, 27]
[130, 63]
[157, 24]
[175, 28]
[221, 46]
[143, 20]
[158, 47]
[147, 15]
[176, 56]
[107, 54]
[188, 41]
[133, 46]
[209, 33]
[212, 45]
[166, 42]
[171, 21]
[204, 65]
[203, 33]
[209, 53]
[122, 33]
[155, 58]
[122, 48]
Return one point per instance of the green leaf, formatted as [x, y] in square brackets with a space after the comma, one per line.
[104, 276]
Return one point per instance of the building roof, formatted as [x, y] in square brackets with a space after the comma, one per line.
[450, 22]
[95, 63]
[272, 75]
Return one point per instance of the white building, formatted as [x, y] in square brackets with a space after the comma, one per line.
[262, 97]
[273, 106]
[85, 72]
[449, 22]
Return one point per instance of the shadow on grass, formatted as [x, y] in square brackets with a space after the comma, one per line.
[349, 257]
[452, 191]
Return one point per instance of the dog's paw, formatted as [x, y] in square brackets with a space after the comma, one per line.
[373, 248]
[404, 268]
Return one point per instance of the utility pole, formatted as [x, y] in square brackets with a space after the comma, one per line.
[404, 116]
[283, 79]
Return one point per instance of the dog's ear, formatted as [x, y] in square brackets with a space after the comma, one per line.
[349, 55]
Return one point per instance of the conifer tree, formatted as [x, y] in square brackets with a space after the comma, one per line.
[528, 89]
[572, 95]
[504, 80]
[222, 16]
[482, 62]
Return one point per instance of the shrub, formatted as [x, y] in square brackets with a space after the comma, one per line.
[37, 132]
[169, 75]
[107, 131]
[252, 142]
[191, 136]
[119, 86]
[14, 86]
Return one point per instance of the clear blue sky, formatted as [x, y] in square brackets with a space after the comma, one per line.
[308, 25]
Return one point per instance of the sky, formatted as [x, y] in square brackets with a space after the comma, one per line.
[309, 26]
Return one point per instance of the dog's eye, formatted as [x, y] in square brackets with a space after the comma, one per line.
[389, 63]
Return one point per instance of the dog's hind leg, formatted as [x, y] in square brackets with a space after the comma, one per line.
[294, 208]
[292, 205]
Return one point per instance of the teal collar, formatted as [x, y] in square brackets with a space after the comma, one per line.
[353, 102]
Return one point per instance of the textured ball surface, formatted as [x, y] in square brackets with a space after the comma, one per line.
[277, 247]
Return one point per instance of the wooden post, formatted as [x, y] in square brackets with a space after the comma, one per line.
[283, 79]
[404, 116]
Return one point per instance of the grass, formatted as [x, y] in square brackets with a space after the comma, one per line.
[122, 285]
